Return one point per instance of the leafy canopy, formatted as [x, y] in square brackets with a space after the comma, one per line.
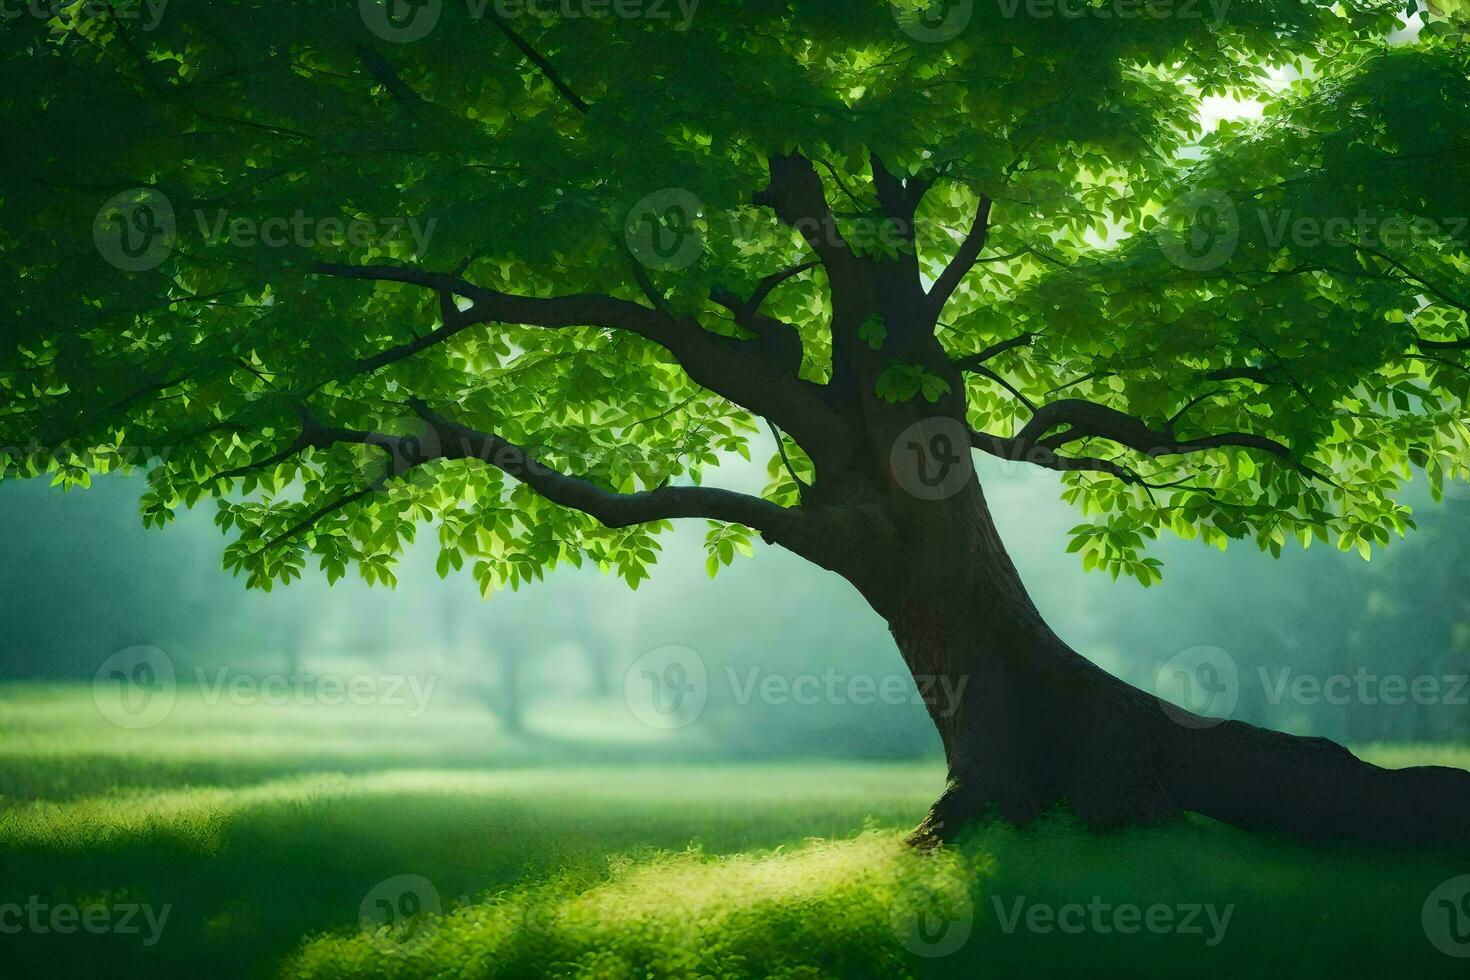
[427, 280]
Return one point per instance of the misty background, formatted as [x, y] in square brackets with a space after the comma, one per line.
[83, 579]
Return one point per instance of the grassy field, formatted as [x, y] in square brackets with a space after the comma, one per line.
[254, 841]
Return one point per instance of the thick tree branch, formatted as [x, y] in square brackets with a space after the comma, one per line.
[609, 507]
[964, 259]
[1016, 450]
[783, 338]
[795, 194]
[747, 311]
[900, 286]
[898, 200]
[1089, 420]
[490, 305]
[769, 283]
[453, 441]
[751, 374]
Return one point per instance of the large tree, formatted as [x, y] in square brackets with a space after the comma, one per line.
[521, 275]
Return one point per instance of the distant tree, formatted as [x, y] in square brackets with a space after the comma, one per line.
[1416, 625]
[892, 235]
[489, 652]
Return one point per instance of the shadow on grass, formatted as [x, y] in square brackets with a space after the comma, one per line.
[253, 830]
[590, 873]
[1192, 899]
[246, 873]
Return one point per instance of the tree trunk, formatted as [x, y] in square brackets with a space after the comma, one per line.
[511, 702]
[1029, 724]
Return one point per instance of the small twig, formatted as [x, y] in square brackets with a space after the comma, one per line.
[801, 486]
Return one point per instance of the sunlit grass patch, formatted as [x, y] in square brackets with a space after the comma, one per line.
[718, 799]
[869, 907]
[847, 908]
[55, 744]
[250, 870]
[192, 819]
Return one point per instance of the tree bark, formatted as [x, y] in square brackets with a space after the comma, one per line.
[1028, 724]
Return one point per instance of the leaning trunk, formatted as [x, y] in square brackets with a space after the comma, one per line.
[1028, 724]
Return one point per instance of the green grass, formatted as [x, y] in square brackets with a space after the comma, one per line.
[266, 831]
